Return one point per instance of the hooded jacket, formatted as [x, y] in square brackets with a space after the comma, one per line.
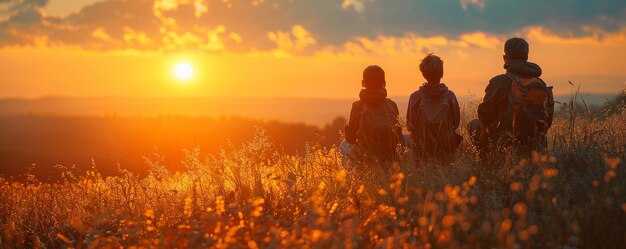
[431, 90]
[496, 97]
[366, 96]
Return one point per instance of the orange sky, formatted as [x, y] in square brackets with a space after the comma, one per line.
[41, 71]
[293, 61]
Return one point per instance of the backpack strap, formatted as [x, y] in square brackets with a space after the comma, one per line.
[522, 89]
[361, 117]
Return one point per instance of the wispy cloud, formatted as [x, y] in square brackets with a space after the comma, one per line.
[477, 3]
[10, 6]
[357, 5]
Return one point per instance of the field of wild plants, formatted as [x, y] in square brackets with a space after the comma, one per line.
[257, 196]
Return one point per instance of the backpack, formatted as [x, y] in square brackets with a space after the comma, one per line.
[530, 112]
[379, 131]
[434, 132]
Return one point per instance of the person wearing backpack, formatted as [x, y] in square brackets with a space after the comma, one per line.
[433, 115]
[373, 132]
[518, 106]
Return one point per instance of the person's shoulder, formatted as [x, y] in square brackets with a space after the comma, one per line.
[415, 95]
[390, 101]
[500, 78]
[452, 97]
[451, 93]
[498, 81]
[357, 107]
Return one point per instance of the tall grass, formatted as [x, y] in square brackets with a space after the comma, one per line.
[257, 196]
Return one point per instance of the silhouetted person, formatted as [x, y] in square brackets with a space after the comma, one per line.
[433, 115]
[373, 132]
[518, 106]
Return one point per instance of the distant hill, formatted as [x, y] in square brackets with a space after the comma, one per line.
[589, 98]
[311, 111]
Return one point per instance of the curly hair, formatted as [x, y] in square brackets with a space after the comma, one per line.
[432, 67]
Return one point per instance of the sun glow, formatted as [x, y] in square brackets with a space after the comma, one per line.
[183, 71]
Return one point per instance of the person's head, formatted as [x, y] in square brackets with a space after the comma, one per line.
[373, 77]
[432, 68]
[515, 49]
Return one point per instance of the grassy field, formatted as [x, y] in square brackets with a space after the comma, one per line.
[257, 196]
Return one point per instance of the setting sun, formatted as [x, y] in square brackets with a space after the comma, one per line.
[183, 71]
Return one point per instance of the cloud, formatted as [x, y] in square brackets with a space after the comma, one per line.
[596, 38]
[10, 6]
[27, 27]
[390, 45]
[477, 3]
[411, 44]
[357, 5]
[302, 27]
[295, 41]
[478, 39]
